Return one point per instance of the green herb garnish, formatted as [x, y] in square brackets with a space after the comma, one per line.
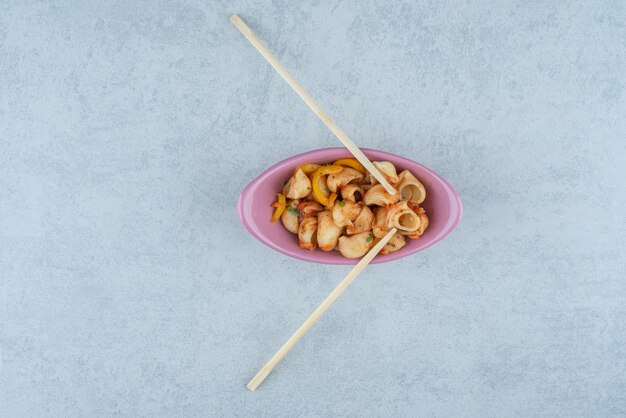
[369, 238]
[293, 211]
[342, 203]
[392, 245]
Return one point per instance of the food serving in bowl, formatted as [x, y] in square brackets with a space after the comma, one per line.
[340, 206]
[326, 226]
[441, 205]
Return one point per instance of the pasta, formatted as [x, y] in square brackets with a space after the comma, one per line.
[394, 244]
[309, 208]
[378, 196]
[289, 218]
[340, 206]
[307, 233]
[362, 223]
[424, 221]
[327, 231]
[355, 246]
[388, 170]
[345, 212]
[299, 186]
[410, 188]
[345, 176]
[379, 227]
[352, 192]
[402, 217]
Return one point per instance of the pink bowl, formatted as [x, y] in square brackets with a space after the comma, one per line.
[442, 204]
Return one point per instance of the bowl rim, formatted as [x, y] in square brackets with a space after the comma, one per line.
[453, 221]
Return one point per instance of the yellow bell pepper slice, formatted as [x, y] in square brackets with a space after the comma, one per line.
[318, 193]
[353, 163]
[308, 168]
[331, 199]
[280, 207]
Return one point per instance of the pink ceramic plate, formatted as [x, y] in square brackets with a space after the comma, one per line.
[442, 205]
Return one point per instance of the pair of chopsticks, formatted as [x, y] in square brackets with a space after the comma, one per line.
[358, 154]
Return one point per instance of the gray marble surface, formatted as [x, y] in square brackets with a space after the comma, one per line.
[128, 286]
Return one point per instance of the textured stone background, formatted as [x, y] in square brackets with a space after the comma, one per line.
[128, 286]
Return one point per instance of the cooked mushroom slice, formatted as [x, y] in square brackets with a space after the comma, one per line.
[289, 218]
[362, 223]
[378, 196]
[355, 246]
[394, 244]
[345, 212]
[337, 181]
[327, 232]
[299, 185]
[410, 188]
[307, 236]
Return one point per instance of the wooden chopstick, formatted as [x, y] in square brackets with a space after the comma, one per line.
[306, 97]
[318, 312]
